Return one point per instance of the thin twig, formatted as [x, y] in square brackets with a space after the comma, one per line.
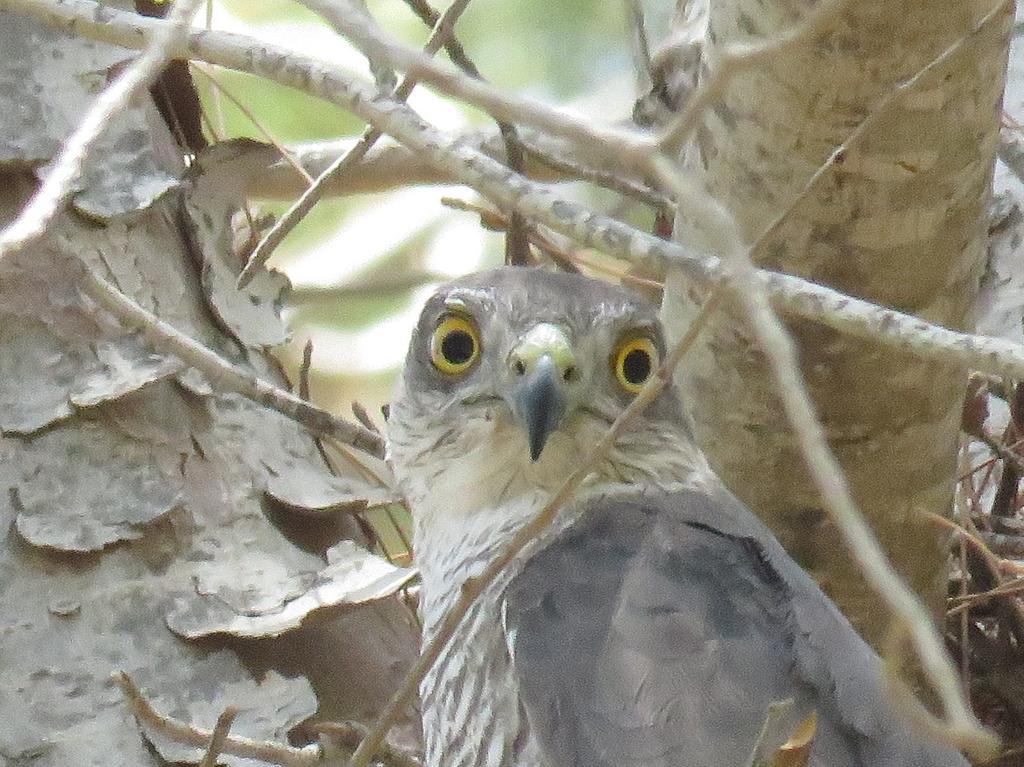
[403, 558]
[304, 368]
[312, 195]
[493, 219]
[363, 416]
[241, 107]
[601, 178]
[426, 13]
[222, 372]
[59, 184]
[1004, 453]
[386, 284]
[220, 127]
[967, 601]
[967, 535]
[221, 731]
[349, 734]
[517, 231]
[472, 588]
[389, 165]
[1011, 152]
[640, 46]
[965, 626]
[1004, 504]
[369, 474]
[180, 732]
[989, 569]
[793, 295]
[517, 249]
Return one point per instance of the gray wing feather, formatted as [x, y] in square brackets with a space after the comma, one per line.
[657, 630]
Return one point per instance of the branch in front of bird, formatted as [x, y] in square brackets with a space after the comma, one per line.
[474, 586]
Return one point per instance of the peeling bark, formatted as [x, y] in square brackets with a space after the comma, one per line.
[137, 501]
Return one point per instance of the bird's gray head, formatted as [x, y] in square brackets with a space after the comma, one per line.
[513, 374]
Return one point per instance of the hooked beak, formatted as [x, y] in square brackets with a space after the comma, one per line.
[542, 365]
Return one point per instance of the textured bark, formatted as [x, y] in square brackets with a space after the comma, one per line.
[899, 221]
[149, 523]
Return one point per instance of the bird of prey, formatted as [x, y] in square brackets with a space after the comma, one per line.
[657, 621]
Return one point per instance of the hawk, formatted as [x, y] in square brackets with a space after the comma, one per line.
[656, 621]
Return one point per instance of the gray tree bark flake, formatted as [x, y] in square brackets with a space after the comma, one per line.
[63, 74]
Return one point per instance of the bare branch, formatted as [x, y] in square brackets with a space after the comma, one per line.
[571, 169]
[58, 185]
[614, 147]
[304, 368]
[517, 248]
[247, 748]
[312, 195]
[513, 192]
[349, 734]
[221, 732]
[241, 107]
[389, 165]
[472, 588]
[363, 416]
[223, 373]
[1004, 544]
[492, 219]
[792, 295]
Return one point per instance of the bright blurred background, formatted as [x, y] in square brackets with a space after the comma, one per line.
[360, 266]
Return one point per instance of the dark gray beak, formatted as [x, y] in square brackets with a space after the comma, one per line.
[540, 403]
[543, 367]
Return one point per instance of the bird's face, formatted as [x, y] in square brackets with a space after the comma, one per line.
[519, 371]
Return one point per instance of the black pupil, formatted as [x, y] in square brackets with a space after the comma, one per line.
[636, 368]
[458, 347]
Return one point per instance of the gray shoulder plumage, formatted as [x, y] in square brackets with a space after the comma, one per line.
[656, 631]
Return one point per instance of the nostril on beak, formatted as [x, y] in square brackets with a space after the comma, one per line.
[570, 374]
[520, 367]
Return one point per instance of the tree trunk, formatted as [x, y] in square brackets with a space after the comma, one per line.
[899, 220]
[151, 524]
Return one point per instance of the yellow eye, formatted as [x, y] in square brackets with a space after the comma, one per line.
[455, 345]
[635, 363]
